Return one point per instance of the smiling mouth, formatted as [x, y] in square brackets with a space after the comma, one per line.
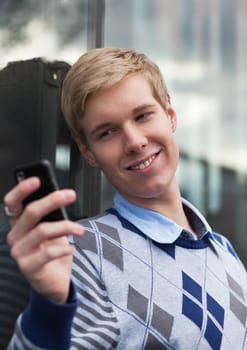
[144, 164]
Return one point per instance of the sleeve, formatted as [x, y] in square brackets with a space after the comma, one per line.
[87, 322]
[42, 323]
[95, 325]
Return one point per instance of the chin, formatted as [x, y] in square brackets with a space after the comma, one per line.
[151, 194]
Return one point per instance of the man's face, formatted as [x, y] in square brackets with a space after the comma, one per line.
[131, 138]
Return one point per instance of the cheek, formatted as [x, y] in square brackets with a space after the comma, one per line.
[165, 135]
[106, 157]
[171, 146]
[175, 153]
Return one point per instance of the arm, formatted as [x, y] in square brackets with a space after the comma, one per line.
[92, 322]
[43, 322]
[42, 250]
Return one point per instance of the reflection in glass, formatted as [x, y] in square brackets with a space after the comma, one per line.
[51, 29]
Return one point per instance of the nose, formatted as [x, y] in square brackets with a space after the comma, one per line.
[134, 140]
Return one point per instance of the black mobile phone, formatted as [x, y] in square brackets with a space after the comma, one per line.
[42, 169]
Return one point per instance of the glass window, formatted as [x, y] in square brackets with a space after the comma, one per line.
[201, 48]
[55, 32]
[53, 29]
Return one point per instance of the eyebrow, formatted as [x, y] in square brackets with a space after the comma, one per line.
[140, 108]
[107, 124]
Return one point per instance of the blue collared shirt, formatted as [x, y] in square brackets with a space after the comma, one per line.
[158, 227]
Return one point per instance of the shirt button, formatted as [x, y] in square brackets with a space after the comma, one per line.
[185, 234]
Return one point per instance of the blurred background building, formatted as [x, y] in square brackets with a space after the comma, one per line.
[201, 48]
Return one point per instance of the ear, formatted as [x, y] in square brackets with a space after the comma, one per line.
[171, 114]
[87, 154]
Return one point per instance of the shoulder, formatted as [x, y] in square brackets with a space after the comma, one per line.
[107, 236]
[226, 252]
[104, 234]
[224, 243]
[102, 225]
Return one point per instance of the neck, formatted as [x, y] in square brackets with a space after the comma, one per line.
[170, 206]
[174, 211]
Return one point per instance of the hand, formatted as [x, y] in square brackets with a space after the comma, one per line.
[41, 249]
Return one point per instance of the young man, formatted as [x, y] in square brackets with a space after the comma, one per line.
[147, 274]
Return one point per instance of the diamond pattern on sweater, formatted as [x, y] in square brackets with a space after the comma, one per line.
[239, 309]
[213, 335]
[137, 303]
[153, 343]
[109, 231]
[112, 253]
[162, 321]
[215, 309]
[194, 311]
[89, 242]
[234, 286]
[236, 306]
[192, 287]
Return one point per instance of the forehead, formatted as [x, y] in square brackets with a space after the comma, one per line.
[128, 93]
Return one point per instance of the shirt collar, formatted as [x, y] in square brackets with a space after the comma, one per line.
[156, 226]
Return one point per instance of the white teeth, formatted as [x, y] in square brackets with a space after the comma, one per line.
[144, 164]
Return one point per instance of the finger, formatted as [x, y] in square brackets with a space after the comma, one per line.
[13, 199]
[35, 211]
[42, 233]
[36, 260]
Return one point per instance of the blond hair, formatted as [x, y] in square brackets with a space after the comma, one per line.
[101, 68]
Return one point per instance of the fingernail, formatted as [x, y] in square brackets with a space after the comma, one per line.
[79, 229]
[68, 194]
[33, 181]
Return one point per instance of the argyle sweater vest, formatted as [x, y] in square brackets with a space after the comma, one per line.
[136, 294]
